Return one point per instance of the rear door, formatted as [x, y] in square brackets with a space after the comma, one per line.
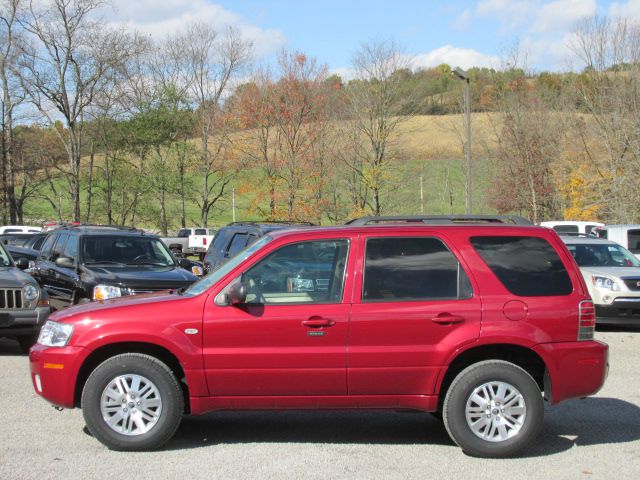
[414, 304]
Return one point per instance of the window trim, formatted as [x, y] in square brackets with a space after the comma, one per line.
[414, 300]
[340, 301]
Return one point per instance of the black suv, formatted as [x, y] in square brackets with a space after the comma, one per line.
[234, 237]
[84, 263]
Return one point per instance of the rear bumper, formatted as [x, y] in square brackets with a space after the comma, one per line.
[54, 372]
[576, 369]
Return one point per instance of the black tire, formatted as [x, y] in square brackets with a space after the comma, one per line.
[27, 341]
[460, 391]
[162, 378]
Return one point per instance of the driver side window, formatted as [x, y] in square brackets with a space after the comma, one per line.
[305, 272]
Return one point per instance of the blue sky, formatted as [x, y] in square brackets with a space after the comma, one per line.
[464, 33]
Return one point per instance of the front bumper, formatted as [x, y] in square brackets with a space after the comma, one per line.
[54, 372]
[576, 369]
[22, 322]
[622, 311]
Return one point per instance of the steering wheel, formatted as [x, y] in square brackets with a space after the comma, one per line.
[142, 257]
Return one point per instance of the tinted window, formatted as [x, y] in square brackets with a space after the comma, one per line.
[602, 255]
[58, 247]
[184, 233]
[588, 228]
[200, 231]
[45, 252]
[412, 269]
[238, 242]
[526, 266]
[71, 249]
[633, 241]
[566, 229]
[306, 272]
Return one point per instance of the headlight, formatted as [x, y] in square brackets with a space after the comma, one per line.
[55, 334]
[605, 282]
[103, 292]
[30, 293]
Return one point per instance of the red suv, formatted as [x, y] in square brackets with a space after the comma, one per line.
[477, 322]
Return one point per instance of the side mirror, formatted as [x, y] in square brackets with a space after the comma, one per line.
[22, 263]
[65, 262]
[184, 263]
[236, 294]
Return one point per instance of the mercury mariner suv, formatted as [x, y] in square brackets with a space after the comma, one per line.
[479, 322]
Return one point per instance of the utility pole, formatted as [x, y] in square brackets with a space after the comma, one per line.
[421, 198]
[463, 75]
[233, 204]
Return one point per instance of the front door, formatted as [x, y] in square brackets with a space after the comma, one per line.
[289, 337]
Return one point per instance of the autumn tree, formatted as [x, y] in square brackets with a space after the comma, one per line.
[609, 90]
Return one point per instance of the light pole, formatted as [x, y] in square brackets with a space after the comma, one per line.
[463, 75]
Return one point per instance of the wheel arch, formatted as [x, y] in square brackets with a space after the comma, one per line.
[519, 355]
[105, 352]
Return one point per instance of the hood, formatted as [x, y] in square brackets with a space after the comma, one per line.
[12, 277]
[142, 277]
[86, 310]
[618, 272]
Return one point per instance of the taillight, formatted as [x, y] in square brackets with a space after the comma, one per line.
[586, 320]
[204, 240]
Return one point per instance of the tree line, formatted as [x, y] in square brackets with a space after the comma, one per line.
[107, 125]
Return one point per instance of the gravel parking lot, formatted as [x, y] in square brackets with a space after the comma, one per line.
[597, 437]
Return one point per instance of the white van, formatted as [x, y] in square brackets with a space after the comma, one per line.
[19, 229]
[626, 235]
[572, 228]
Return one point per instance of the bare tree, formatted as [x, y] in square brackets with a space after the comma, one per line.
[66, 66]
[609, 90]
[376, 101]
[12, 96]
[208, 61]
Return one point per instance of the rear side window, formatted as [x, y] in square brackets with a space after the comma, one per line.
[567, 229]
[633, 241]
[238, 243]
[412, 269]
[526, 266]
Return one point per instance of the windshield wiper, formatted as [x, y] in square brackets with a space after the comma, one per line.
[150, 263]
[104, 262]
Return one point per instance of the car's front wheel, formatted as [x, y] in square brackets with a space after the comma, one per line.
[493, 409]
[132, 402]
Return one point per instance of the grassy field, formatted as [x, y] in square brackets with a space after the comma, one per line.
[427, 147]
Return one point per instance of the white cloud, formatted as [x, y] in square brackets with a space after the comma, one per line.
[455, 57]
[345, 73]
[562, 15]
[463, 21]
[629, 9]
[511, 13]
[168, 16]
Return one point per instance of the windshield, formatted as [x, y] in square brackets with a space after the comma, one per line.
[125, 251]
[215, 275]
[5, 259]
[602, 255]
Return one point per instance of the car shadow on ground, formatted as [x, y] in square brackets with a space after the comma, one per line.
[591, 421]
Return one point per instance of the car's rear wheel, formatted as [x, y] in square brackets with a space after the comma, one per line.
[493, 409]
[132, 402]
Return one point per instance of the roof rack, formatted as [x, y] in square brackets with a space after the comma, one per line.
[441, 219]
[114, 227]
[272, 222]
